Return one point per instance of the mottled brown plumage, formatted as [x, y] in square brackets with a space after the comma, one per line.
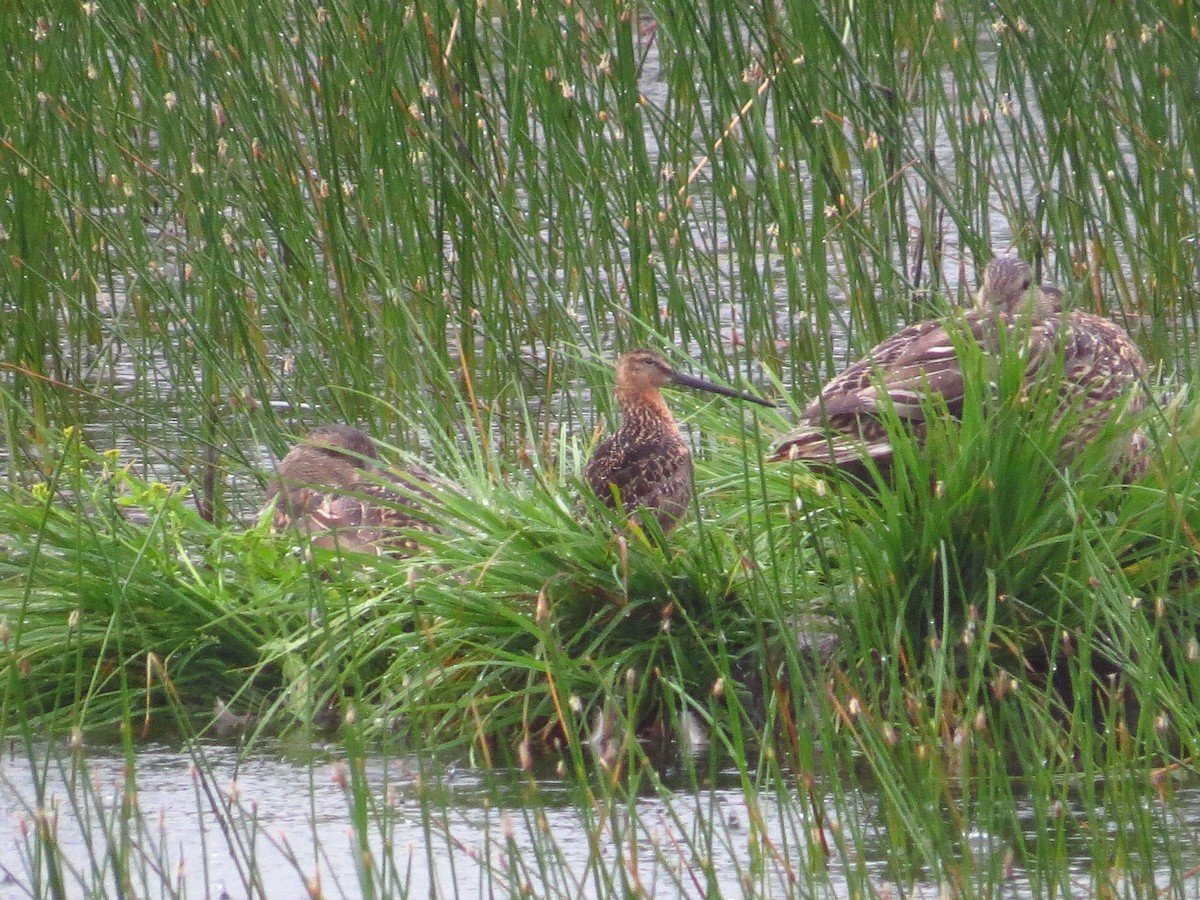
[333, 488]
[1095, 367]
[646, 464]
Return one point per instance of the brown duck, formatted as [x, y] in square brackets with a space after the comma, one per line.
[645, 464]
[333, 487]
[1099, 370]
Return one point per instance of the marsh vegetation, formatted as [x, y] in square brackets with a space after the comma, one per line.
[226, 224]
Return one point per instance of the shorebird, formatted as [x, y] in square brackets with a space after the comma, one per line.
[645, 464]
[1100, 374]
[333, 487]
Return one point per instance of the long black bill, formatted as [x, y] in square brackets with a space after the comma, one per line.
[701, 385]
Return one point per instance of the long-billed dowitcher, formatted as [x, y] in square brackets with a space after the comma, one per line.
[333, 487]
[646, 464]
[1099, 370]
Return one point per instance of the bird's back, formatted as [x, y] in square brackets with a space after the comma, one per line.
[1089, 360]
[1103, 377]
[371, 516]
[846, 423]
[332, 488]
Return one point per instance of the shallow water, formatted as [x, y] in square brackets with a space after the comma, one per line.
[203, 819]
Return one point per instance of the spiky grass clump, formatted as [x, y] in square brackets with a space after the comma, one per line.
[536, 617]
[984, 565]
[117, 594]
[537, 614]
[532, 616]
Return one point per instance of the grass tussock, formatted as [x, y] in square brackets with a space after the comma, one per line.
[120, 598]
[984, 584]
[537, 628]
[536, 622]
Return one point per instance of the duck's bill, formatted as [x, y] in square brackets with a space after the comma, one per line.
[701, 385]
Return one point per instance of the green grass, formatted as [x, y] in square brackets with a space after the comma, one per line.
[225, 224]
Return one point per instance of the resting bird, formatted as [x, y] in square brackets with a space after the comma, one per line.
[1099, 371]
[333, 487]
[646, 464]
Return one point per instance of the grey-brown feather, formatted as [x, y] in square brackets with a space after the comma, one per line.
[1103, 378]
[332, 488]
[646, 465]
[1102, 373]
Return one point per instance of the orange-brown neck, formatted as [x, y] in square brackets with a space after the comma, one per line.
[644, 404]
